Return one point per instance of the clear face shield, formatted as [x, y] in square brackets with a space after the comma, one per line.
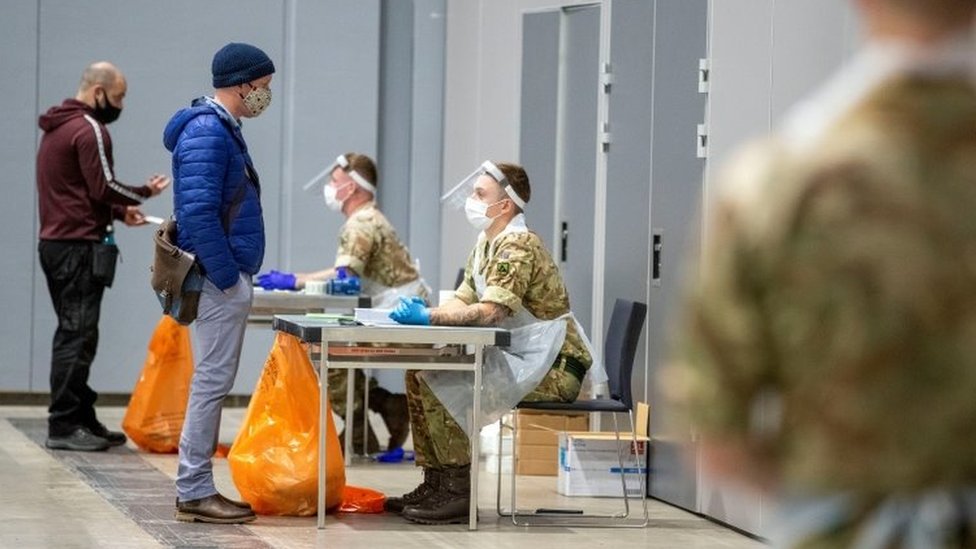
[317, 183]
[459, 194]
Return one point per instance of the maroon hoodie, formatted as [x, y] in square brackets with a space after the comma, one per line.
[77, 191]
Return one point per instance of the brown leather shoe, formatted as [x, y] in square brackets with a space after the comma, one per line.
[235, 503]
[216, 509]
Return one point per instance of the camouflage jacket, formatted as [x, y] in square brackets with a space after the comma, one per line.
[369, 245]
[840, 285]
[521, 273]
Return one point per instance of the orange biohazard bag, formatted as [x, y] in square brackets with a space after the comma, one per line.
[356, 499]
[155, 414]
[274, 459]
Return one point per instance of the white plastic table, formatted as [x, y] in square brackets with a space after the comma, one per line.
[327, 331]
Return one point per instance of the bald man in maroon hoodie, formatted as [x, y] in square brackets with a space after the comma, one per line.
[79, 197]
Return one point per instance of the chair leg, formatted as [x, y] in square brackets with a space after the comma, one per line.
[641, 465]
[623, 470]
[513, 509]
[574, 518]
[501, 456]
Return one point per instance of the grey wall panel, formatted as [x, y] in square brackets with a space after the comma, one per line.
[677, 172]
[739, 50]
[537, 130]
[335, 99]
[427, 137]
[462, 151]
[18, 27]
[576, 158]
[632, 37]
[165, 51]
[809, 42]
[396, 102]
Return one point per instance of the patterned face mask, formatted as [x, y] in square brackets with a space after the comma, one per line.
[257, 100]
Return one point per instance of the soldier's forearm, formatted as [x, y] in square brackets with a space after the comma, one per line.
[477, 314]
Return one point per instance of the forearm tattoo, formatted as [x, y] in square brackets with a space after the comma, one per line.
[477, 314]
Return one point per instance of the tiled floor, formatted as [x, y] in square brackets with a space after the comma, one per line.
[124, 498]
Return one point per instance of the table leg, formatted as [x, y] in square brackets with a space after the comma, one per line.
[323, 411]
[350, 417]
[475, 437]
[366, 374]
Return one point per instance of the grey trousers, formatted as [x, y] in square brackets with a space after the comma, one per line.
[218, 336]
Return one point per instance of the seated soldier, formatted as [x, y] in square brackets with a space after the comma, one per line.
[370, 249]
[510, 280]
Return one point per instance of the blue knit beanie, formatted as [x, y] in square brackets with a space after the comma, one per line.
[238, 63]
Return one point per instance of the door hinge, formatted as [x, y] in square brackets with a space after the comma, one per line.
[606, 77]
[702, 144]
[704, 75]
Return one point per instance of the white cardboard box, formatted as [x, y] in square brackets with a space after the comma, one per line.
[589, 466]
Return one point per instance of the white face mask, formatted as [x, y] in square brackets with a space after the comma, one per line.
[257, 100]
[477, 211]
[331, 199]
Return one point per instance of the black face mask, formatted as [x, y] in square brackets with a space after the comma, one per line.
[107, 113]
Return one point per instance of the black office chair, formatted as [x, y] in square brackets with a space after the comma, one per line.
[459, 279]
[619, 350]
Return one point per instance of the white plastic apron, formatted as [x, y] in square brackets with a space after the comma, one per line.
[510, 373]
[385, 297]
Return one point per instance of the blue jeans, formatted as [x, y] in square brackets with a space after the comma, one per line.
[218, 337]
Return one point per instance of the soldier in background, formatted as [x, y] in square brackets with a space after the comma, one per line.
[510, 280]
[370, 249]
[829, 354]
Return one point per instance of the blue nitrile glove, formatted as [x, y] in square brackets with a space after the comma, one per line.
[277, 280]
[411, 312]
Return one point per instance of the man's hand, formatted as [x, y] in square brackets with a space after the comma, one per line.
[158, 183]
[277, 280]
[134, 216]
[411, 311]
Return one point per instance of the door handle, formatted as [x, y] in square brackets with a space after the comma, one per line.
[658, 246]
[564, 242]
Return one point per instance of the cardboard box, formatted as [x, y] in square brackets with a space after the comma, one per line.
[537, 439]
[538, 420]
[589, 466]
[536, 459]
[538, 467]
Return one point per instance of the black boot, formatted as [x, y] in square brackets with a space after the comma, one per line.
[450, 504]
[392, 407]
[432, 481]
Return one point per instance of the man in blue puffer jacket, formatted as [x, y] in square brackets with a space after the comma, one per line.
[218, 214]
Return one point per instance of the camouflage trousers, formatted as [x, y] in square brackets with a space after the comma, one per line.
[440, 442]
[338, 381]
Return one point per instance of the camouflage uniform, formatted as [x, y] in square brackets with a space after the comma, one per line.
[369, 245]
[519, 273]
[838, 284]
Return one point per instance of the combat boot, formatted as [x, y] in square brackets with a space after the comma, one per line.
[450, 504]
[392, 407]
[430, 485]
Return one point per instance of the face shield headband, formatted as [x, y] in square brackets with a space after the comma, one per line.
[340, 162]
[457, 196]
